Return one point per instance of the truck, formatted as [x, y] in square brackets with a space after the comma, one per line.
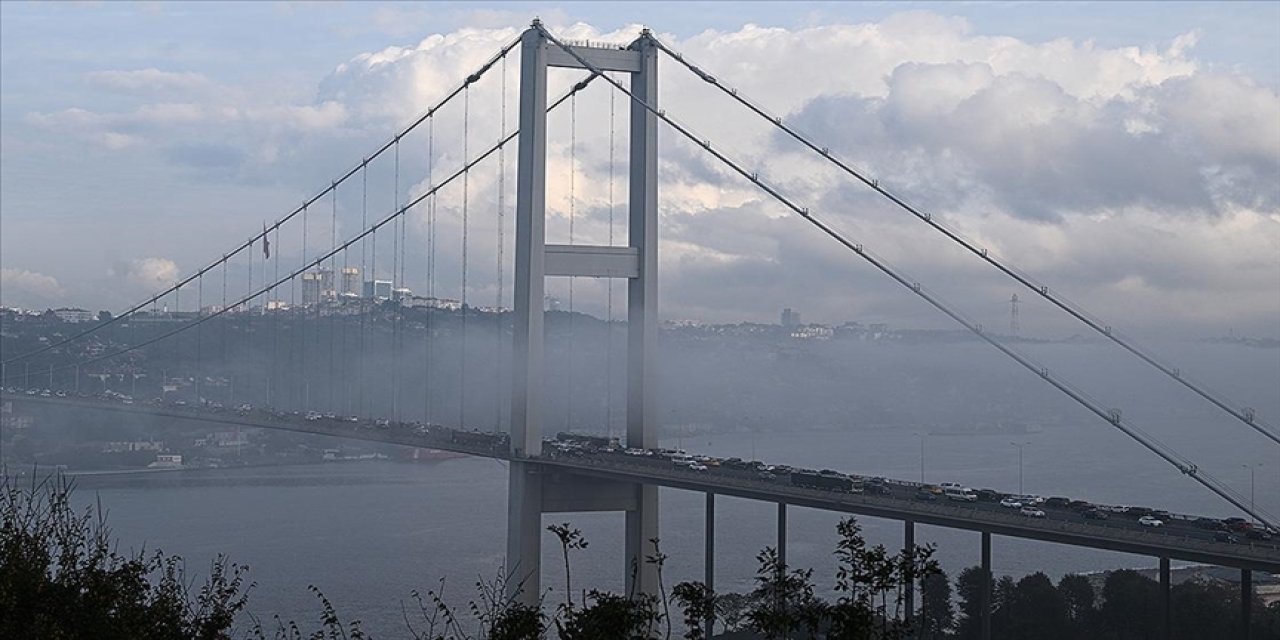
[824, 481]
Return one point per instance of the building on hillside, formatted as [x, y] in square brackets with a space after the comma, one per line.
[74, 315]
[790, 319]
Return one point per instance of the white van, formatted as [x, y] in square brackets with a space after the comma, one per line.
[960, 493]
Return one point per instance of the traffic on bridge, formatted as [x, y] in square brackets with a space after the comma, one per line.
[1232, 541]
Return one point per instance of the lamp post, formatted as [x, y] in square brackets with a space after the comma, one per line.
[1251, 468]
[1020, 446]
[922, 437]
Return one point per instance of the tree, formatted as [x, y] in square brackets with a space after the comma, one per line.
[731, 609]
[1077, 594]
[1130, 606]
[698, 603]
[937, 615]
[783, 602]
[969, 585]
[1037, 610]
[872, 585]
[61, 577]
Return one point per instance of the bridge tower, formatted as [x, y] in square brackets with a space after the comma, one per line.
[531, 491]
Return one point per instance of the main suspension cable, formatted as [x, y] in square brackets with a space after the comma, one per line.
[1246, 415]
[1111, 416]
[427, 116]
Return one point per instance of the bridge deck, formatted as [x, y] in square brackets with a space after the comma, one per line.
[1118, 534]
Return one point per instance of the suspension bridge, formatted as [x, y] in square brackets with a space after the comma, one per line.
[309, 326]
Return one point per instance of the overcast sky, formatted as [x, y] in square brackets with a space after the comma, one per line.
[1126, 154]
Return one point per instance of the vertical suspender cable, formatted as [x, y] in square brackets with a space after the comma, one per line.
[199, 343]
[608, 333]
[364, 274]
[395, 282]
[336, 311]
[498, 324]
[275, 320]
[222, 333]
[466, 180]
[573, 171]
[300, 318]
[431, 274]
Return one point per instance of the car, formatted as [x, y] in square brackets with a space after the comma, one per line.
[1150, 521]
[1031, 512]
[697, 467]
[926, 495]
[1011, 503]
[988, 495]
[1257, 533]
[1224, 536]
[1095, 514]
[766, 475]
[1212, 524]
[1239, 525]
[1057, 502]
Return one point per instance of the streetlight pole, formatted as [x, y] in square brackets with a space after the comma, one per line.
[1251, 468]
[1020, 446]
[921, 436]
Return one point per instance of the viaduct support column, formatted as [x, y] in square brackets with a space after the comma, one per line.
[987, 583]
[1166, 600]
[782, 533]
[1246, 603]
[709, 558]
[909, 543]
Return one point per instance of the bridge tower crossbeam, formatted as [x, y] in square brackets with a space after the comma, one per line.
[531, 492]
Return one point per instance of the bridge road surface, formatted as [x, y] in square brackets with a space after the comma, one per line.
[1180, 538]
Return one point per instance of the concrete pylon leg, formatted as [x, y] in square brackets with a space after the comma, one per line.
[524, 533]
[641, 530]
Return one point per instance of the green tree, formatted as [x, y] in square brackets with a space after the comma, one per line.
[1038, 610]
[783, 602]
[62, 577]
[937, 615]
[969, 588]
[872, 585]
[1078, 595]
[1130, 606]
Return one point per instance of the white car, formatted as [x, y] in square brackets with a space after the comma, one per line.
[1150, 521]
[1031, 512]
[697, 467]
[1011, 503]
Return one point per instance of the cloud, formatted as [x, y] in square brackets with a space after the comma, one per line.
[150, 81]
[147, 274]
[1133, 179]
[30, 287]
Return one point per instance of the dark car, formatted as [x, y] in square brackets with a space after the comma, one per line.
[876, 489]
[926, 495]
[1095, 514]
[1212, 524]
[1057, 502]
[1080, 505]
[1224, 536]
[1237, 524]
[989, 495]
[1257, 533]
